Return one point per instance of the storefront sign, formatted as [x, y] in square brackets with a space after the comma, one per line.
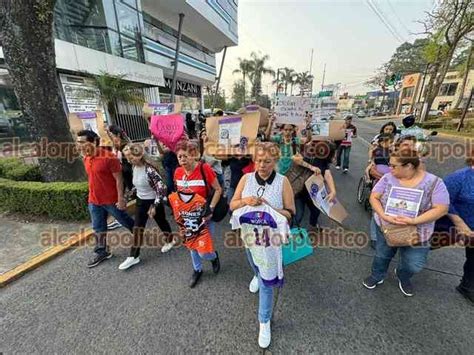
[183, 88]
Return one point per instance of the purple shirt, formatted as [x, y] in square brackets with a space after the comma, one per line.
[440, 196]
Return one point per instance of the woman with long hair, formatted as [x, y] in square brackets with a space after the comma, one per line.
[151, 196]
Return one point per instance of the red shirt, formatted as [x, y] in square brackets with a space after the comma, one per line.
[195, 181]
[102, 184]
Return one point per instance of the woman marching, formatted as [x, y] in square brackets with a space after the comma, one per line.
[151, 194]
[193, 205]
[268, 197]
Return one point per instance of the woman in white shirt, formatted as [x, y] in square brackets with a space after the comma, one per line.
[264, 186]
[151, 194]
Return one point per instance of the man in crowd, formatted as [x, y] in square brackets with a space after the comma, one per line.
[104, 173]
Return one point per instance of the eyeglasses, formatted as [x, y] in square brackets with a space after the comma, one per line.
[393, 166]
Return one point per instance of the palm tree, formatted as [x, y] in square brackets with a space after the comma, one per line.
[245, 67]
[304, 80]
[259, 68]
[114, 88]
[287, 77]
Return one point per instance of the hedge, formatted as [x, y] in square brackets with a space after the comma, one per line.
[57, 200]
[15, 169]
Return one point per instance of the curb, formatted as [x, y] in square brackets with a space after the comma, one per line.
[449, 135]
[49, 254]
[44, 257]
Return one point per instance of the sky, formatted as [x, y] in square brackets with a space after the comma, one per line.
[346, 35]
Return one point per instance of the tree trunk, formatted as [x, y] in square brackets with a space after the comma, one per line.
[26, 34]
[244, 89]
[466, 74]
[435, 82]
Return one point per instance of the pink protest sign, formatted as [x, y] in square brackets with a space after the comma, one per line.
[168, 129]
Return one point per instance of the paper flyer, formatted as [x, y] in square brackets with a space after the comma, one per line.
[229, 131]
[403, 201]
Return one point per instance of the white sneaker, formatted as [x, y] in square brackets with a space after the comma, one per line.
[168, 246]
[346, 170]
[130, 261]
[265, 335]
[113, 225]
[253, 287]
[338, 167]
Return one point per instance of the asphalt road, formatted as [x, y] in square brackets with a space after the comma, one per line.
[323, 308]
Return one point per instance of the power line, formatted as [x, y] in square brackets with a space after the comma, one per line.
[389, 28]
[394, 28]
[398, 17]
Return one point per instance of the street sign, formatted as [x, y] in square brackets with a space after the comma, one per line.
[325, 93]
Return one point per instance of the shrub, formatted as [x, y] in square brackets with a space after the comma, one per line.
[57, 200]
[15, 169]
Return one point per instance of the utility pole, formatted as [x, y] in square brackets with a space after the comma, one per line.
[324, 76]
[422, 84]
[468, 103]
[219, 80]
[176, 56]
[311, 71]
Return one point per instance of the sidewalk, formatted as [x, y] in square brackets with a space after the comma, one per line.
[22, 239]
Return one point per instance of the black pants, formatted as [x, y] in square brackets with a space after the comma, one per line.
[141, 217]
[468, 277]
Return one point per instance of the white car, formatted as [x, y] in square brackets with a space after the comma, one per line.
[435, 113]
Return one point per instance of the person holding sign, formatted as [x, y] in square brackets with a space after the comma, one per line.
[344, 150]
[288, 143]
[264, 187]
[407, 196]
[317, 156]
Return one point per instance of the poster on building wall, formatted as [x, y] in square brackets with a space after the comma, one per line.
[292, 109]
[81, 95]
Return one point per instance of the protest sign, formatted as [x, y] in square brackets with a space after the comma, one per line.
[167, 129]
[152, 109]
[318, 192]
[322, 130]
[93, 121]
[292, 109]
[264, 113]
[403, 201]
[232, 135]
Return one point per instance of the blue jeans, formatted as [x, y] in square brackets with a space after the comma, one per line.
[412, 259]
[265, 294]
[99, 214]
[373, 229]
[303, 199]
[343, 153]
[197, 259]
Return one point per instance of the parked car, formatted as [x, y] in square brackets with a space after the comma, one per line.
[6, 128]
[435, 113]
[361, 114]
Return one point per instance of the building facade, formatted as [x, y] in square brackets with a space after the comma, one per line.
[414, 88]
[137, 39]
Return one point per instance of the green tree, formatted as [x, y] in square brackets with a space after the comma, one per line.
[238, 95]
[408, 58]
[258, 69]
[114, 89]
[304, 81]
[245, 67]
[288, 77]
[447, 26]
[209, 97]
[26, 34]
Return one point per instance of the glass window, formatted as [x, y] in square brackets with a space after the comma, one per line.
[127, 19]
[114, 43]
[129, 47]
[132, 3]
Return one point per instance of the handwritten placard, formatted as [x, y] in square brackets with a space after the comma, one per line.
[292, 109]
[168, 129]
